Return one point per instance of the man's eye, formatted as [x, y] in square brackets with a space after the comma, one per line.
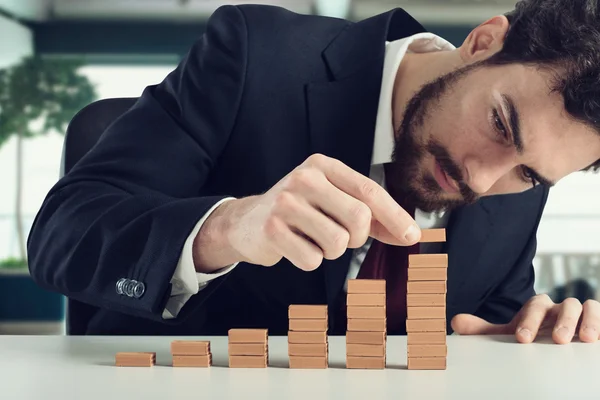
[498, 125]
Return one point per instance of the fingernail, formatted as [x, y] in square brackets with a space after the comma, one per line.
[562, 331]
[412, 234]
[525, 333]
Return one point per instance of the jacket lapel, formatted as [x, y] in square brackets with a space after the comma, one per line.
[342, 112]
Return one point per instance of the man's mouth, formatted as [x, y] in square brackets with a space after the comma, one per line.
[446, 183]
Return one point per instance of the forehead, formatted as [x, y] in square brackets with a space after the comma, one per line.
[553, 140]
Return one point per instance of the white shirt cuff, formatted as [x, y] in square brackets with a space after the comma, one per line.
[186, 282]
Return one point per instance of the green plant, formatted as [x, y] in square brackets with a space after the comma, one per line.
[13, 263]
[38, 96]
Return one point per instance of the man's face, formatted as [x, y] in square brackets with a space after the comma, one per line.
[484, 130]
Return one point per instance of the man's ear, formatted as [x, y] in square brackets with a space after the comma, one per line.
[485, 40]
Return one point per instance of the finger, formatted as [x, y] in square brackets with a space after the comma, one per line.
[322, 230]
[531, 318]
[467, 324]
[566, 323]
[384, 208]
[298, 250]
[590, 324]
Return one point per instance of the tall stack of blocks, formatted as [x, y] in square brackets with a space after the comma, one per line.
[248, 348]
[426, 306]
[308, 347]
[367, 332]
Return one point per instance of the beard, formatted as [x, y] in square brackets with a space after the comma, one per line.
[411, 181]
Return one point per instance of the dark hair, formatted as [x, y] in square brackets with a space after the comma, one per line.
[563, 35]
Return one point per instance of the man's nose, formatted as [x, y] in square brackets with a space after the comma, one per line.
[483, 174]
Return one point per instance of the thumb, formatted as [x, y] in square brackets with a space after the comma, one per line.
[467, 324]
[382, 234]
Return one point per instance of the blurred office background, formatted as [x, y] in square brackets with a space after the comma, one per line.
[124, 45]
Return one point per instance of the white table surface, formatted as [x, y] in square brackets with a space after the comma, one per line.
[493, 367]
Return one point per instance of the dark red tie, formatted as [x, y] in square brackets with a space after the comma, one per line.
[390, 262]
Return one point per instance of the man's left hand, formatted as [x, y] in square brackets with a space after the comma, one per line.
[539, 316]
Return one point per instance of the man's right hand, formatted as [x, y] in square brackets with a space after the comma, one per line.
[317, 211]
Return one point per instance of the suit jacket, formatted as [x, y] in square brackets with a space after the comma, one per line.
[258, 93]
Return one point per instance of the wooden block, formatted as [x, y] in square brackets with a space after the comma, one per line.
[425, 300]
[426, 325]
[427, 363]
[299, 362]
[135, 359]
[426, 312]
[367, 325]
[308, 325]
[248, 349]
[353, 362]
[190, 348]
[307, 337]
[193, 361]
[308, 349]
[427, 274]
[428, 260]
[369, 299]
[366, 312]
[433, 235]
[427, 350]
[354, 337]
[365, 350]
[302, 311]
[248, 335]
[426, 287]
[248, 361]
[426, 338]
[364, 286]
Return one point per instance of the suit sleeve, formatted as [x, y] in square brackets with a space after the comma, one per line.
[126, 209]
[518, 287]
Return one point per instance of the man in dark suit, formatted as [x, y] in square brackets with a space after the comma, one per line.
[289, 153]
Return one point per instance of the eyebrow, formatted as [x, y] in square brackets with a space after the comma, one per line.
[514, 120]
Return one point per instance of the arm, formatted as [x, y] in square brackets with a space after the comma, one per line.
[128, 207]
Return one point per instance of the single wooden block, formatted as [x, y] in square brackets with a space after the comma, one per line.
[426, 287]
[428, 260]
[427, 350]
[369, 299]
[354, 337]
[367, 325]
[308, 325]
[307, 337]
[302, 311]
[248, 335]
[364, 286]
[135, 359]
[193, 361]
[426, 325]
[353, 362]
[365, 350]
[248, 349]
[426, 312]
[433, 235]
[427, 363]
[426, 338]
[427, 274]
[366, 312]
[308, 349]
[300, 362]
[425, 300]
[190, 348]
[248, 361]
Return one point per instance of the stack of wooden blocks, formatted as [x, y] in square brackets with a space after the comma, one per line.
[308, 347]
[135, 359]
[366, 336]
[191, 353]
[248, 348]
[426, 307]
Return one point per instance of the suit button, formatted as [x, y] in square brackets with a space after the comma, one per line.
[138, 290]
[128, 287]
[119, 287]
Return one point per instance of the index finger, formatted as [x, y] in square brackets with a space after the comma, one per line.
[384, 208]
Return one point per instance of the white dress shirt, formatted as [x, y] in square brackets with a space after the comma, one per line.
[187, 282]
